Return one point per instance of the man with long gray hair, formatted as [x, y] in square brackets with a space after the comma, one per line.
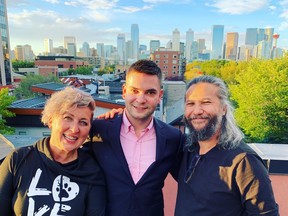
[219, 173]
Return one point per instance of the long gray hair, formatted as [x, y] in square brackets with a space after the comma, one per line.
[230, 135]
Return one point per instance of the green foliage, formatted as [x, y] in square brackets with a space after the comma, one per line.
[80, 70]
[24, 89]
[261, 94]
[106, 70]
[16, 64]
[5, 101]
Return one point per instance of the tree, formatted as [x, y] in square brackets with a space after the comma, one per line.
[16, 64]
[261, 95]
[24, 89]
[5, 101]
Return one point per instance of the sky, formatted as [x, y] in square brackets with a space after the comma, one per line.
[100, 21]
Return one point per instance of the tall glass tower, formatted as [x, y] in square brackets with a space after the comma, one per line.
[121, 42]
[5, 63]
[135, 40]
[189, 41]
[217, 41]
[251, 36]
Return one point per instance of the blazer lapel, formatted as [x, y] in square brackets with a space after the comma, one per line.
[160, 139]
[113, 132]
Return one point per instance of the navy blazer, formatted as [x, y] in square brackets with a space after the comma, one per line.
[125, 198]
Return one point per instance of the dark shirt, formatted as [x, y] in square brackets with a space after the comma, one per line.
[31, 182]
[232, 182]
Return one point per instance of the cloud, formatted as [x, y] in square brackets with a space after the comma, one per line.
[132, 9]
[284, 14]
[41, 18]
[166, 1]
[239, 6]
[93, 4]
[283, 2]
[16, 3]
[53, 1]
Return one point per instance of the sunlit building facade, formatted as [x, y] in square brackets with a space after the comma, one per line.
[5, 61]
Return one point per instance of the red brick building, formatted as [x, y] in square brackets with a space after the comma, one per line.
[170, 62]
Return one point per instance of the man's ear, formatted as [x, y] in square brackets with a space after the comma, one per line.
[161, 93]
[124, 89]
[224, 110]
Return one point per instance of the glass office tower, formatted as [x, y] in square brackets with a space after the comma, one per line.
[5, 62]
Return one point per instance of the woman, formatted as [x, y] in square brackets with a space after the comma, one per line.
[55, 176]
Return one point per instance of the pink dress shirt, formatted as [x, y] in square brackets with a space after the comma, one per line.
[140, 152]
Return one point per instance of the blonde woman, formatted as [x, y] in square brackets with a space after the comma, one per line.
[55, 176]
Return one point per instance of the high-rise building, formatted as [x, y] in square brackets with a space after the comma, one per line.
[108, 50]
[135, 41]
[86, 49]
[269, 36]
[201, 45]
[260, 35]
[176, 40]
[100, 50]
[48, 46]
[251, 36]
[189, 41]
[154, 45]
[232, 45]
[217, 41]
[5, 61]
[71, 49]
[129, 50]
[69, 39]
[121, 45]
[194, 50]
[19, 53]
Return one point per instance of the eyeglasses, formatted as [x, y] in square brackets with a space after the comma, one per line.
[191, 168]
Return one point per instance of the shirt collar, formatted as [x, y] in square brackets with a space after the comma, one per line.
[127, 125]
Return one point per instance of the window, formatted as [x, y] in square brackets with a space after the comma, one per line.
[174, 56]
[174, 61]
[157, 56]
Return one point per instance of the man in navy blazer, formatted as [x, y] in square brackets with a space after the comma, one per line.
[135, 150]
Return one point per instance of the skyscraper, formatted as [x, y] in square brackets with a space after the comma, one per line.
[189, 41]
[135, 40]
[217, 41]
[48, 46]
[269, 36]
[232, 45]
[176, 40]
[121, 45]
[86, 49]
[251, 36]
[5, 61]
[69, 39]
[100, 50]
[154, 45]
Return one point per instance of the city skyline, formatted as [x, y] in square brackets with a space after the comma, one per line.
[100, 21]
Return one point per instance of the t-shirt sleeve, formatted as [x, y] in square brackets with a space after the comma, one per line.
[6, 185]
[96, 201]
[255, 187]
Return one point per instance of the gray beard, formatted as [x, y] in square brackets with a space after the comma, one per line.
[205, 133]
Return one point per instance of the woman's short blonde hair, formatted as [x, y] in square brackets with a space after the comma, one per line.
[65, 99]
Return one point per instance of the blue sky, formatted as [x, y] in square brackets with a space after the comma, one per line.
[100, 21]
